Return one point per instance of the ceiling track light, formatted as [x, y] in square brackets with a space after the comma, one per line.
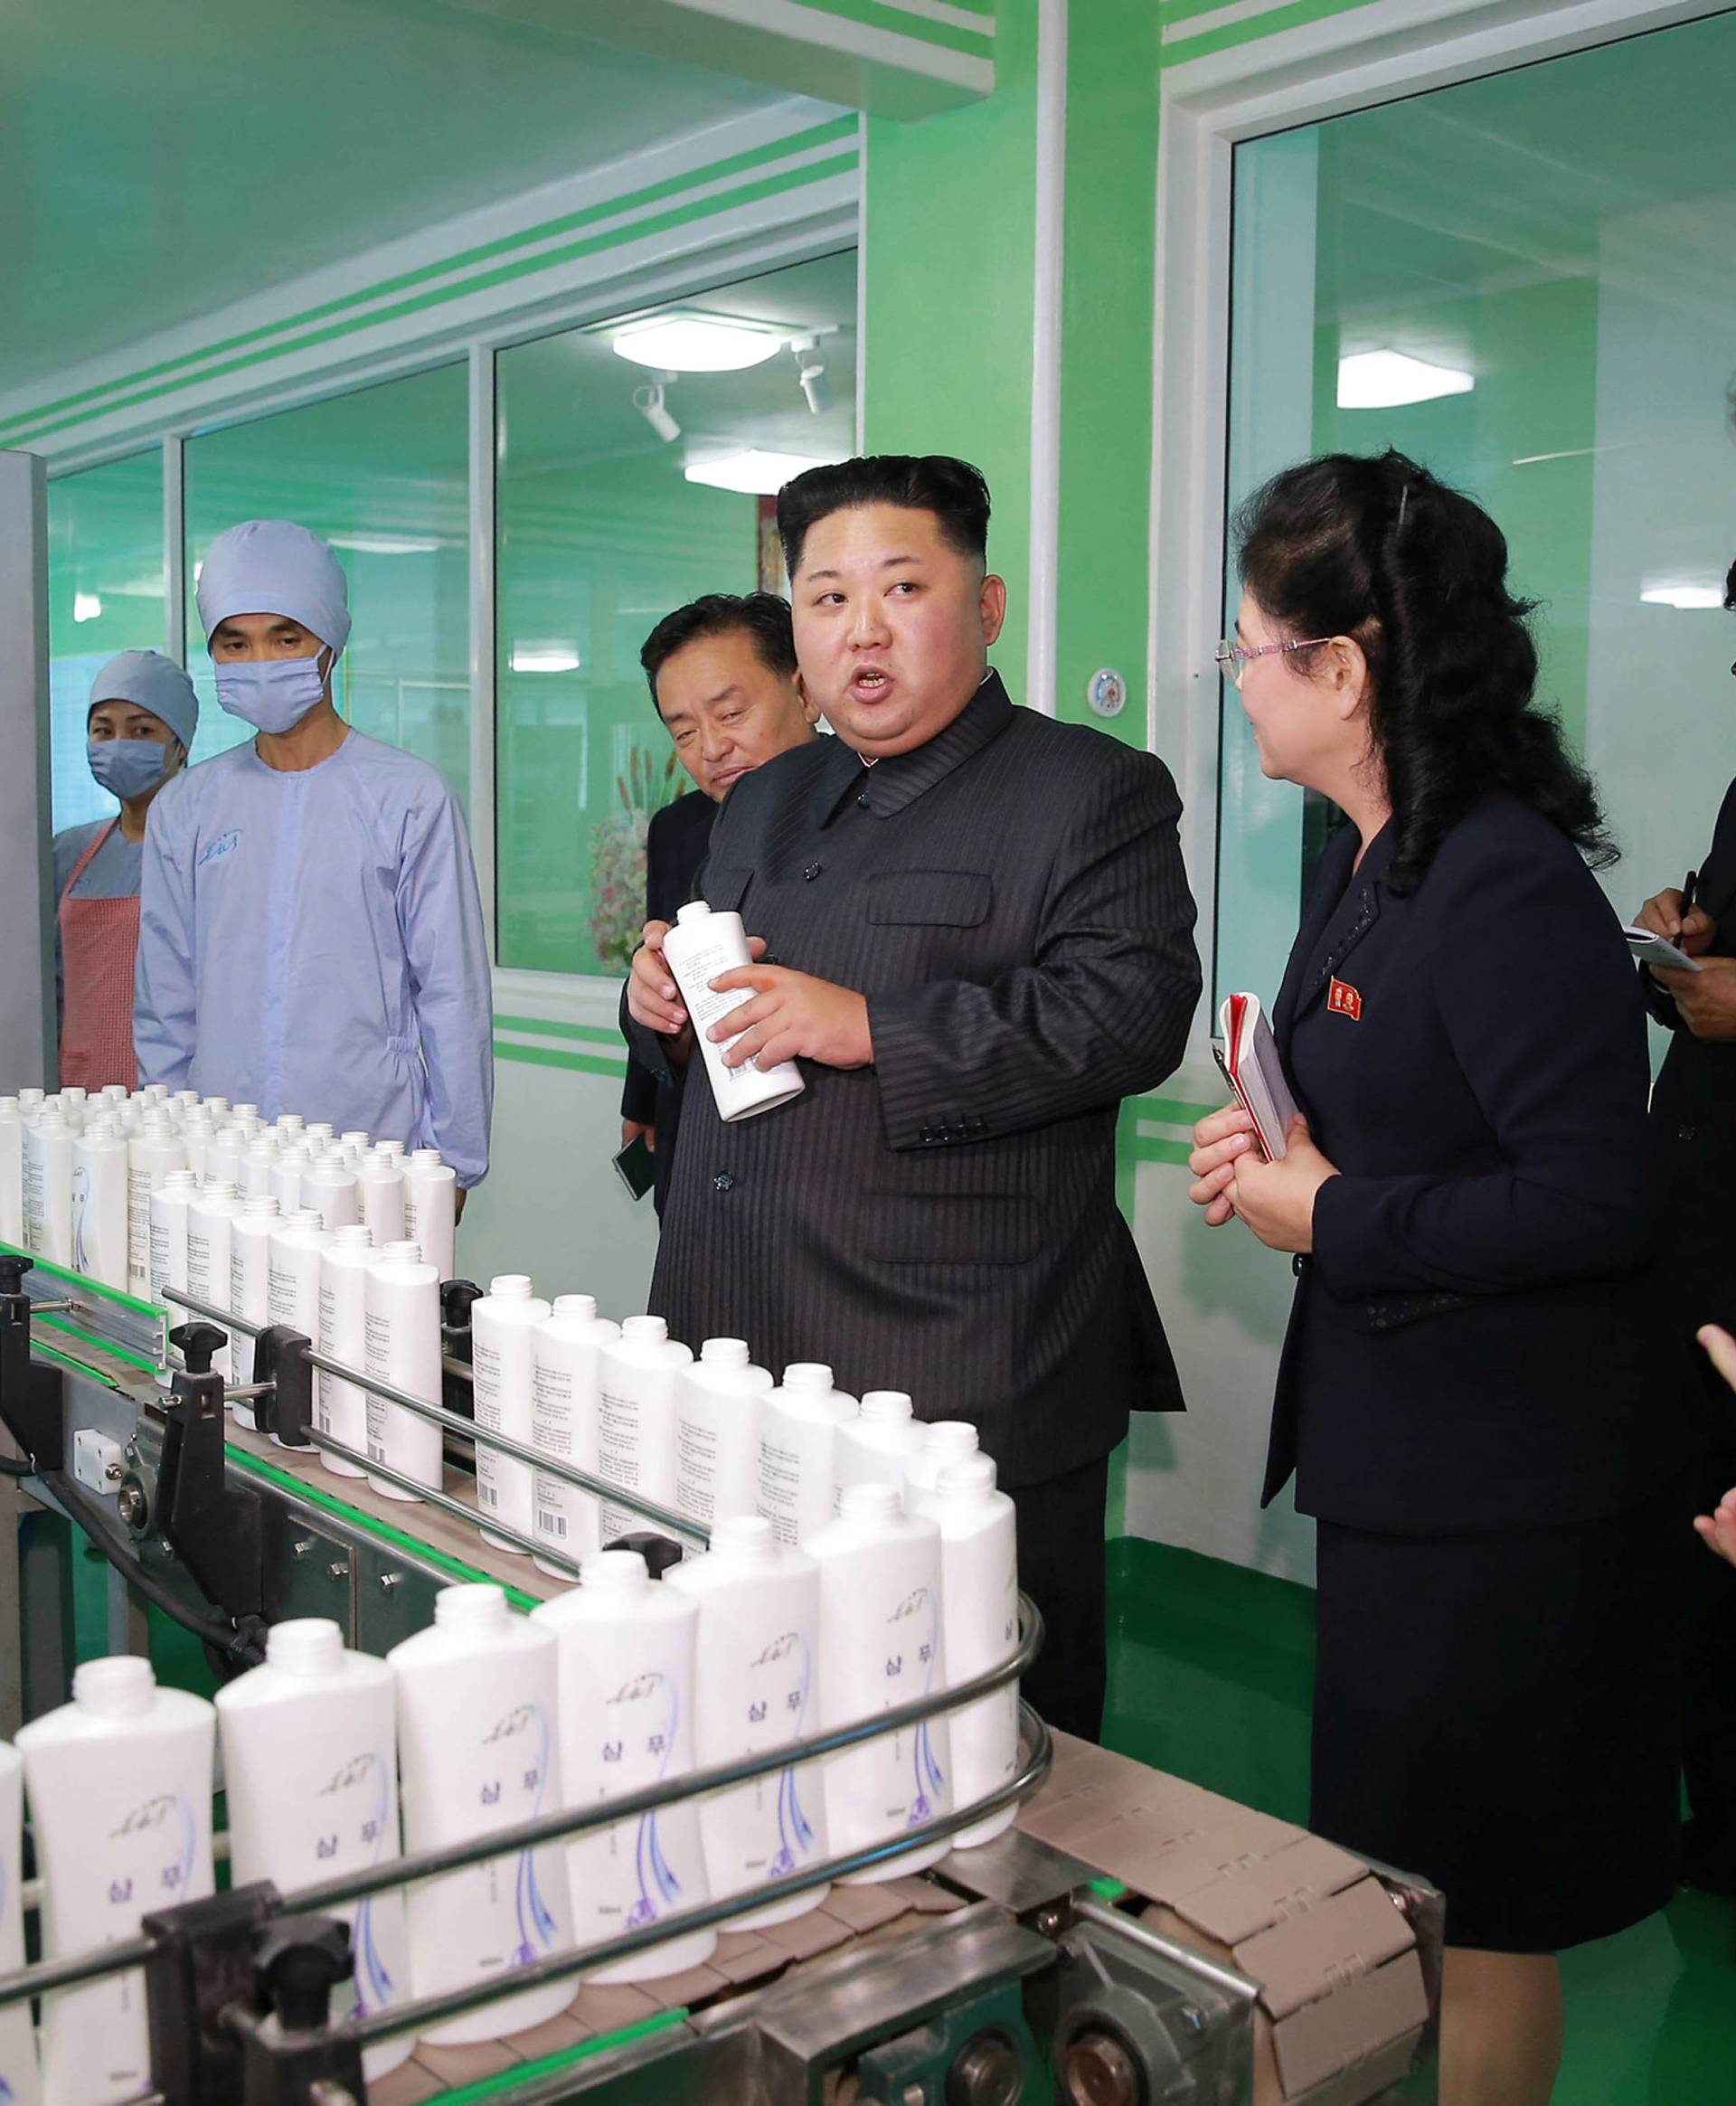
[649, 401]
[810, 370]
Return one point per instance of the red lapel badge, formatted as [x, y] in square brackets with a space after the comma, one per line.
[1344, 1000]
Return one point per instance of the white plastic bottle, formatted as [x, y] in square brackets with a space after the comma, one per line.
[880, 1638]
[564, 1374]
[197, 1135]
[119, 1783]
[219, 1107]
[47, 1188]
[626, 1720]
[355, 1138]
[290, 1126]
[249, 1285]
[292, 1273]
[12, 1173]
[700, 947]
[401, 1325]
[170, 1203]
[757, 1687]
[152, 1152]
[310, 1765]
[210, 1247]
[186, 1101]
[20, 2080]
[291, 1167]
[430, 1208]
[318, 1134]
[259, 1162]
[341, 1409]
[30, 1096]
[100, 1204]
[638, 1380]
[379, 1196]
[478, 1750]
[502, 1340]
[226, 1158]
[944, 1440]
[717, 1432]
[873, 1447]
[979, 1589]
[798, 1428]
[330, 1187]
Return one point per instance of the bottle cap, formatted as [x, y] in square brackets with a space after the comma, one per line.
[886, 1406]
[649, 1327]
[694, 911]
[120, 1687]
[471, 1608]
[870, 1502]
[307, 1645]
[971, 1477]
[615, 1571]
[808, 1374]
[724, 1352]
[511, 1286]
[582, 1306]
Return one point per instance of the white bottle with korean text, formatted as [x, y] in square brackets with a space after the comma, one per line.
[717, 1432]
[171, 1203]
[882, 1643]
[119, 1782]
[697, 948]
[292, 1278]
[944, 1440]
[210, 1221]
[639, 1382]
[310, 1767]
[379, 1196]
[47, 1188]
[152, 1152]
[100, 1204]
[626, 1720]
[401, 1325]
[478, 1739]
[565, 1372]
[979, 1589]
[340, 1408]
[430, 1208]
[249, 1285]
[799, 1430]
[756, 1689]
[503, 1338]
[874, 1448]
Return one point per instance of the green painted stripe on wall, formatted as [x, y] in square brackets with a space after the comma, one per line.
[542, 1027]
[833, 131]
[886, 14]
[1177, 1110]
[1291, 14]
[1150, 1148]
[548, 1056]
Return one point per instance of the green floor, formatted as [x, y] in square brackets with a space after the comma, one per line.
[1209, 1673]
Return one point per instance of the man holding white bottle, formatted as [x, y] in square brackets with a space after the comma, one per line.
[980, 940]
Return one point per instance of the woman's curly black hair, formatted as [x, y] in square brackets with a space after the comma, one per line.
[1379, 550]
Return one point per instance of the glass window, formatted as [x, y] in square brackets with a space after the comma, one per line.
[1524, 282]
[105, 594]
[383, 474]
[627, 487]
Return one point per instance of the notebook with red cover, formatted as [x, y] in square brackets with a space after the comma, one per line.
[1248, 1055]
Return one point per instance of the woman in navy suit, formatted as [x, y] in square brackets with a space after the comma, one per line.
[1464, 1397]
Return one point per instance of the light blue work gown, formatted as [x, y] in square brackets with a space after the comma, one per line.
[312, 941]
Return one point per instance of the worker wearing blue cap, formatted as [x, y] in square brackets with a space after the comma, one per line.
[142, 717]
[311, 938]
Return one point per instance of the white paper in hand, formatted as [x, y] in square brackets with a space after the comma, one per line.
[1248, 1058]
[1658, 951]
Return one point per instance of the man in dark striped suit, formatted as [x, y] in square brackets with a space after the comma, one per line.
[977, 935]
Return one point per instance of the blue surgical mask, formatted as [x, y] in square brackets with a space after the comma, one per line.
[272, 694]
[127, 766]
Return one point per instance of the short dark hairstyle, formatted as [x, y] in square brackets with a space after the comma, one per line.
[954, 491]
[1379, 550]
[762, 617]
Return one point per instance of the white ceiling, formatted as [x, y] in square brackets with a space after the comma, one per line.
[156, 163]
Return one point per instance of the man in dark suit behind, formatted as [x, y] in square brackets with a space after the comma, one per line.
[723, 681]
[975, 934]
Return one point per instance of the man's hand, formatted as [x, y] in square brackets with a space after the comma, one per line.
[1220, 1141]
[1277, 1199]
[634, 1130]
[792, 1013]
[652, 998]
[1718, 1530]
[1693, 931]
[1705, 1000]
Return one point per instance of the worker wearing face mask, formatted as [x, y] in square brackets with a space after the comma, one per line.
[311, 936]
[142, 718]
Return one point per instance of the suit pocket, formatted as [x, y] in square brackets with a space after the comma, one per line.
[1398, 1312]
[726, 886]
[950, 1227]
[945, 899]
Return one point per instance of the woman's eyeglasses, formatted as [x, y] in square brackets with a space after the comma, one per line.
[1232, 657]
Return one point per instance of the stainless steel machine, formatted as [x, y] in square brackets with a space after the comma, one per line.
[1133, 1941]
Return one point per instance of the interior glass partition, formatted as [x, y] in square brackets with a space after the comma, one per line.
[637, 459]
[383, 474]
[105, 594]
[1524, 282]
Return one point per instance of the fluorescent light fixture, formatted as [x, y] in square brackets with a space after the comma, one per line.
[1683, 596]
[546, 654]
[753, 473]
[386, 544]
[698, 344]
[86, 607]
[1387, 380]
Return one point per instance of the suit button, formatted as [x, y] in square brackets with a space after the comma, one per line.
[863, 800]
[723, 1182]
[812, 872]
[1686, 1133]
